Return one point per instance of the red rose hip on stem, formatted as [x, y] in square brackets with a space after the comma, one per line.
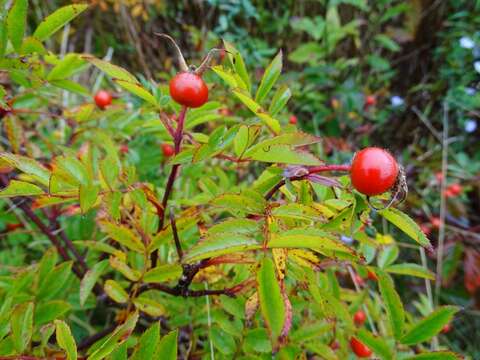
[168, 150]
[359, 318]
[293, 120]
[188, 89]
[370, 100]
[359, 348]
[103, 99]
[374, 171]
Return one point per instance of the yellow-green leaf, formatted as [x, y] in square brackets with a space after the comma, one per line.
[429, 326]
[55, 21]
[138, 90]
[406, 224]
[393, 304]
[410, 269]
[270, 298]
[115, 291]
[116, 72]
[20, 188]
[163, 273]
[272, 72]
[65, 339]
[16, 22]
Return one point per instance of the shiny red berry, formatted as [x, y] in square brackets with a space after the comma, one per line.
[374, 171]
[370, 100]
[359, 348]
[435, 222]
[359, 318]
[446, 328]
[455, 189]
[168, 150]
[188, 89]
[103, 99]
[293, 120]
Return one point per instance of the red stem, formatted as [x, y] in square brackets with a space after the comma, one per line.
[312, 170]
[177, 139]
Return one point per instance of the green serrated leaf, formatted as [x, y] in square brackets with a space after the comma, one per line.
[163, 273]
[65, 339]
[393, 304]
[46, 312]
[16, 22]
[20, 188]
[114, 71]
[167, 346]
[221, 244]
[270, 77]
[429, 326]
[115, 291]
[280, 99]
[139, 91]
[119, 336]
[406, 224]
[410, 269]
[21, 323]
[55, 21]
[147, 344]
[270, 298]
[90, 278]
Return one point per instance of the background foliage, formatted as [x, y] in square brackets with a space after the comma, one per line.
[419, 60]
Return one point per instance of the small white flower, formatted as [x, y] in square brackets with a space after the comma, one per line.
[346, 240]
[476, 65]
[470, 91]
[470, 125]
[466, 42]
[396, 101]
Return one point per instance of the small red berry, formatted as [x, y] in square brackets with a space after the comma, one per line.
[188, 89]
[455, 189]
[359, 318]
[293, 120]
[372, 276]
[446, 328]
[435, 222]
[374, 171]
[225, 112]
[103, 99]
[370, 100]
[439, 176]
[359, 348]
[168, 150]
[124, 148]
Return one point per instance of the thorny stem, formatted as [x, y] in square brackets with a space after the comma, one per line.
[312, 170]
[177, 139]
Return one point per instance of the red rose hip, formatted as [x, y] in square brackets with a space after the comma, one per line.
[188, 89]
[103, 99]
[374, 171]
[168, 150]
[359, 348]
[293, 120]
[359, 318]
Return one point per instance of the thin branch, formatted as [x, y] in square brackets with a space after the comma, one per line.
[175, 236]
[443, 206]
[89, 340]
